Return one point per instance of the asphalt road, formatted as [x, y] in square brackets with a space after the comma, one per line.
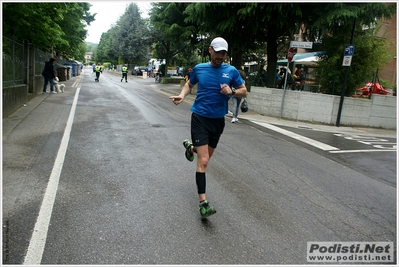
[123, 192]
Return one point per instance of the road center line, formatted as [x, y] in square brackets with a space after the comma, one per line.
[39, 236]
[298, 137]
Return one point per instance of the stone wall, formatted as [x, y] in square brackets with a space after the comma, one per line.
[13, 98]
[379, 111]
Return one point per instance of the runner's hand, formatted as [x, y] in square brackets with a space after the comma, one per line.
[176, 99]
[225, 89]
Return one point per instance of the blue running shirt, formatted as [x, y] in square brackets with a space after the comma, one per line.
[210, 103]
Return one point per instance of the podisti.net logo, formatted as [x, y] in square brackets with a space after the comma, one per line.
[350, 252]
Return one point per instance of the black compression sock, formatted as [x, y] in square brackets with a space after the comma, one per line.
[201, 182]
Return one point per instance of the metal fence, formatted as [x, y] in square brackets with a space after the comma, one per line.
[14, 56]
[40, 59]
[16, 59]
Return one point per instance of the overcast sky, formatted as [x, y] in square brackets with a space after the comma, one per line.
[108, 13]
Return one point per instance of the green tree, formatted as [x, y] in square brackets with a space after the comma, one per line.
[104, 47]
[370, 54]
[73, 25]
[91, 47]
[80, 52]
[330, 26]
[49, 26]
[170, 33]
[131, 35]
[126, 41]
[33, 22]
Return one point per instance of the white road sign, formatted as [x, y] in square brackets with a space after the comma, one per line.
[347, 61]
[297, 44]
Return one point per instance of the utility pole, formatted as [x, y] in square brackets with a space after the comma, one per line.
[341, 102]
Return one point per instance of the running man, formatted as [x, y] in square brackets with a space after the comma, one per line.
[217, 82]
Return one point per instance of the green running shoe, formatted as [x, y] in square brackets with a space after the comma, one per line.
[187, 145]
[206, 210]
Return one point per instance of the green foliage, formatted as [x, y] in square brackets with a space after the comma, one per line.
[371, 52]
[106, 64]
[131, 36]
[91, 47]
[104, 50]
[79, 52]
[127, 41]
[387, 85]
[73, 25]
[170, 33]
[57, 26]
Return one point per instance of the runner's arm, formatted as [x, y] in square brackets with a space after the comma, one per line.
[184, 92]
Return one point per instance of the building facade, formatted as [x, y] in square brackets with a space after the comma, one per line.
[88, 57]
[389, 32]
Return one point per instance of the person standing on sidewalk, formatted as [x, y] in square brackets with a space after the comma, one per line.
[98, 71]
[217, 82]
[49, 75]
[124, 72]
[237, 100]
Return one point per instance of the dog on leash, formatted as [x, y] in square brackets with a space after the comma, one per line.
[58, 87]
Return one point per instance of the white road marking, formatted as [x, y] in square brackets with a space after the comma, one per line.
[323, 146]
[75, 84]
[301, 138]
[39, 236]
[364, 150]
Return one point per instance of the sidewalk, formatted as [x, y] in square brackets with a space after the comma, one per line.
[15, 118]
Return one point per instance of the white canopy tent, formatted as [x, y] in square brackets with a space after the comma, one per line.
[308, 60]
[303, 58]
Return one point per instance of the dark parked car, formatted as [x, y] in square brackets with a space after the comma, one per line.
[138, 70]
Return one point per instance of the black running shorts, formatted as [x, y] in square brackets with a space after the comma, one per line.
[206, 131]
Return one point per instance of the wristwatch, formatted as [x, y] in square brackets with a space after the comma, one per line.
[233, 90]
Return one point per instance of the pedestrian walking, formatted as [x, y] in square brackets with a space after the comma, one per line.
[124, 72]
[149, 71]
[217, 82]
[49, 75]
[237, 100]
[98, 71]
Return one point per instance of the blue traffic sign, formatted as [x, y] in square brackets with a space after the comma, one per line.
[349, 50]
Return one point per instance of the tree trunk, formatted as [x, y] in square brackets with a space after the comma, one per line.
[237, 61]
[271, 60]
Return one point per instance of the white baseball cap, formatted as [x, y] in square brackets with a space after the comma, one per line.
[219, 44]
